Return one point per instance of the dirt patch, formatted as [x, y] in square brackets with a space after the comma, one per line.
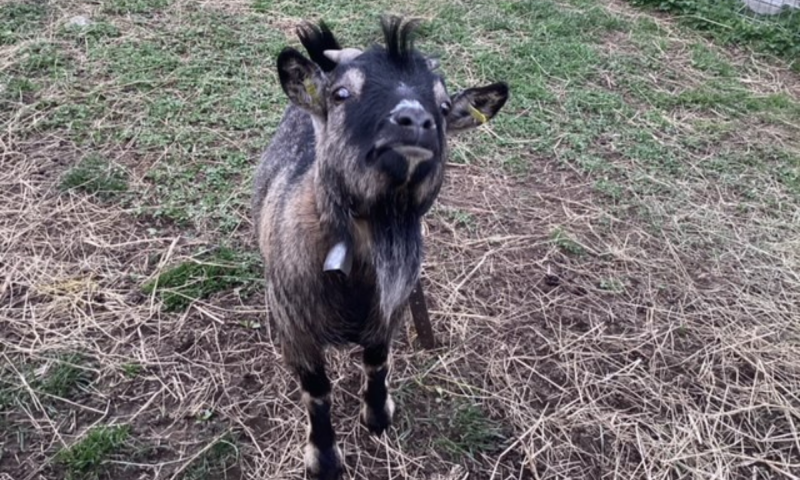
[582, 360]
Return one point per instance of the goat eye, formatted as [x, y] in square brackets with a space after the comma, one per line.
[445, 107]
[341, 94]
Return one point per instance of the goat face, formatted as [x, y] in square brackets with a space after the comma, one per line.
[382, 117]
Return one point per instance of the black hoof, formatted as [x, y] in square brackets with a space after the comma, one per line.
[377, 420]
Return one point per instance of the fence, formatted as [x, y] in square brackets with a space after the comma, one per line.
[773, 7]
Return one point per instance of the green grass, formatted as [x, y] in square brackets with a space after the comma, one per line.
[185, 108]
[131, 370]
[95, 176]
[122, 7]
[468, 431]
[558, 73]
[459, 428]
[218, 459]
[16, 88]
[95, 31]
[9, 391]
[708, 60]
[462, 219]
[19, 19]
[85, 459]
[565, 243]
[219, 271]
[612, 285]
[42, 58]
[65, 377]
[729, 22]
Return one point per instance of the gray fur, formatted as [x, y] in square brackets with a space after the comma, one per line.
[313, 189]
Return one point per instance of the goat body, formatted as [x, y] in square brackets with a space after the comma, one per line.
[356, 161]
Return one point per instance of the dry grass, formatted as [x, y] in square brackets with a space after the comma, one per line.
[656, 337]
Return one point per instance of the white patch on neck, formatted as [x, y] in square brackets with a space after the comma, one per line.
[406, 103]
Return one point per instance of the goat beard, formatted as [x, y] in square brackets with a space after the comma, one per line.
[397, 258]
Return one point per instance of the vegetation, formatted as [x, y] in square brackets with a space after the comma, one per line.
[95, 176]
[85, 458]
[218, 271]
[731, 22]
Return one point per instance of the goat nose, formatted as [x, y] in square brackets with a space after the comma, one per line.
[413, 118]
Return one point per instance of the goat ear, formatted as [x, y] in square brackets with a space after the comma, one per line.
[475, 106]
[302, 80]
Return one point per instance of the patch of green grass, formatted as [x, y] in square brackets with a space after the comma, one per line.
[142, 65]
[353, 20]
[221, 457]
[64, 377]
[729, 22]
[211, 191]
[731, 98]
[199, 87]
[42, 58]
[95, 176]
[222, 270]
[468, 431]
[462, 219]
[123, 7]
[708, 60]
[19, 19]
[563, 241]
[9, 389]
[263, 6]
[455, 425]
[16, 89]
[131, 370]
[612, 285]
[73, 119]
[96, 30]
[609, 188]
[516, 163]
[84, 460]
[598, 103]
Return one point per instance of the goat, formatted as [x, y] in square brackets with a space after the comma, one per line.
[356, 162]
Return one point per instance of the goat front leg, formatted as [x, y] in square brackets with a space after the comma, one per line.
[323, 459]
[378, 407]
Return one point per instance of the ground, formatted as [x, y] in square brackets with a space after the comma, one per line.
[612, 267]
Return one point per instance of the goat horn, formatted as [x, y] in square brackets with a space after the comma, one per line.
[343, 55]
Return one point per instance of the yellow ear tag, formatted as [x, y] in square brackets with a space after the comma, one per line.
[477, 115]
[311, 88]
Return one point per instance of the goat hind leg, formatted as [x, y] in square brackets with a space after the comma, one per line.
[378, 407]
[323, 459]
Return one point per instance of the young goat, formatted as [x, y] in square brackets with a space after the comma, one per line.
[356, 161]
